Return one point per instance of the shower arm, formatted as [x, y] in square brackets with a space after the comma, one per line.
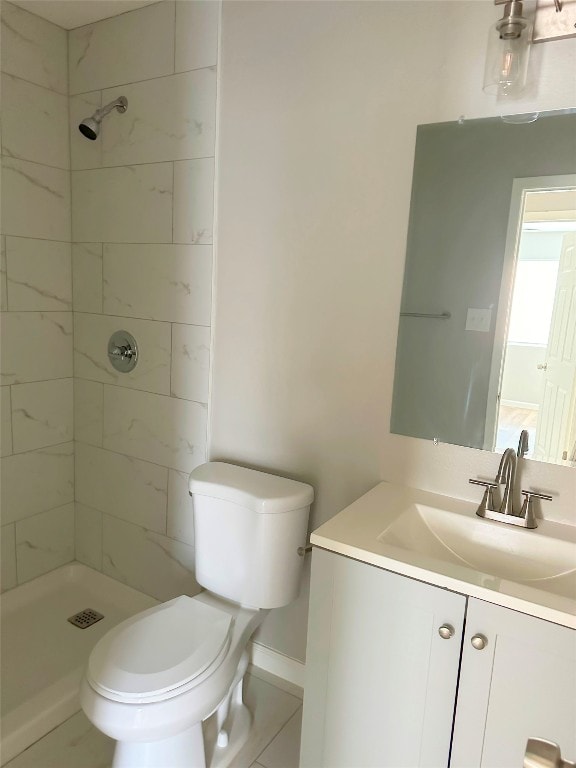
[120, 104]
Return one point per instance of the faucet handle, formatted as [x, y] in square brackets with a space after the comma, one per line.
[487, 503]
[485, 483]
[527, 511]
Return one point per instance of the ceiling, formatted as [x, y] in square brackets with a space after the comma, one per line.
[75, 13]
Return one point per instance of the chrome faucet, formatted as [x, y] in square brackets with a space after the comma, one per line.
[506, 476]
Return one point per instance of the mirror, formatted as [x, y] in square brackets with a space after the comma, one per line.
[488, 312]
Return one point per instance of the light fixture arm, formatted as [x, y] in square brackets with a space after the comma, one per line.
[512, 23]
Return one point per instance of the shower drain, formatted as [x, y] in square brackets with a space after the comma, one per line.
[85, 618]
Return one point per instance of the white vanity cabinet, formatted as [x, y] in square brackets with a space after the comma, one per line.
[521, 684]
[381, 681]
[384, 689]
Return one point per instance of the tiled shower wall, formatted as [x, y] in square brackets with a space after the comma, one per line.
[142, 220]
[141, 260]
[37, 509]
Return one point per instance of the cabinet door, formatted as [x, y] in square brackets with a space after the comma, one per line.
[380, 681]
[522, 684]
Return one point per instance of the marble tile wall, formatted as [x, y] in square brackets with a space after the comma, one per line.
[36, 360]
[142, 221]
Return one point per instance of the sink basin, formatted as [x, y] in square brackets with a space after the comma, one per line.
[507, 552]
[440, 540]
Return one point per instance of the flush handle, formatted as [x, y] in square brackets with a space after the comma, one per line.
[479, 642]
[446, 631]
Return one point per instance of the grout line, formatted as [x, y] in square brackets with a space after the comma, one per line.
[297, 714]
[145, 391]
[133, 458]
[37, 85]
[15, 555]
[35, 162]
[140, 319]
[102, 278]
[71, 170]
[276, 734]
[43, 239]
[130, 522]
[106, 242]
[11, 420]
[37, 311]
[37, 381]
[42, 512]
[209, 67]
[42, 447]
[171, 360]
[102, 417]
[132, 165]
[108, 18]
[174, 38]
[172, 206]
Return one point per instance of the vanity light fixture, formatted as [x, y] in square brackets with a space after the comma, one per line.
[511, 37]
[508, 52]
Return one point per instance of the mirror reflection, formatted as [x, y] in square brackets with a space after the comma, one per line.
[487, 333]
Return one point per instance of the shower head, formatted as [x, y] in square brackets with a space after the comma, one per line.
[90, 126]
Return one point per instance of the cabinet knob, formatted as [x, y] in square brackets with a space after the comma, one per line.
[479, 642]
[446, 631]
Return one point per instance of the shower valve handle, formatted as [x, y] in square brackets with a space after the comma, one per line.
[122, 351]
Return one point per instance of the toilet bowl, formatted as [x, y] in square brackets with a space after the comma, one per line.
[153, 680]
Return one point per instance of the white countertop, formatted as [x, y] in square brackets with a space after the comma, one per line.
[355, 533]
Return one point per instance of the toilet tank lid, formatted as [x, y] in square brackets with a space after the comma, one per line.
[258, 491]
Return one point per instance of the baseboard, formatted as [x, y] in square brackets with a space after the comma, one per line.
[277, 664]
[520, 404]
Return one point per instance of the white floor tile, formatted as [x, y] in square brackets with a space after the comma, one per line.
[277, 682]
[271, 708]
[74, 744]
[77, 744]
[284, 750]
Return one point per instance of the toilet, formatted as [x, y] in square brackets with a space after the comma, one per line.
[153, 679]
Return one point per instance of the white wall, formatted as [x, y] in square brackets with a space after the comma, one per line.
[318, 113]
[36, 301]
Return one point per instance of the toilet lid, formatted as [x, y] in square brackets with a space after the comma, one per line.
[161, 649]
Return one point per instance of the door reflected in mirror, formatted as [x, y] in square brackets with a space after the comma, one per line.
[537, 388]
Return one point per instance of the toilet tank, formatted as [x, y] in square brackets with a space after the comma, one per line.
[248, 526]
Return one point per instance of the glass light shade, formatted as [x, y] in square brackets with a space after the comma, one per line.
[507, 62]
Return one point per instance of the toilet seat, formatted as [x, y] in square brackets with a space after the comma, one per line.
[161, 652]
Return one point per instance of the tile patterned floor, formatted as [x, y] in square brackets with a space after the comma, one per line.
[274, 742]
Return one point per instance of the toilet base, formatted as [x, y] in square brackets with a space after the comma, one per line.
[195, 748]
[227, 730]
[221, 757]
[211, 744]
[185, 750]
